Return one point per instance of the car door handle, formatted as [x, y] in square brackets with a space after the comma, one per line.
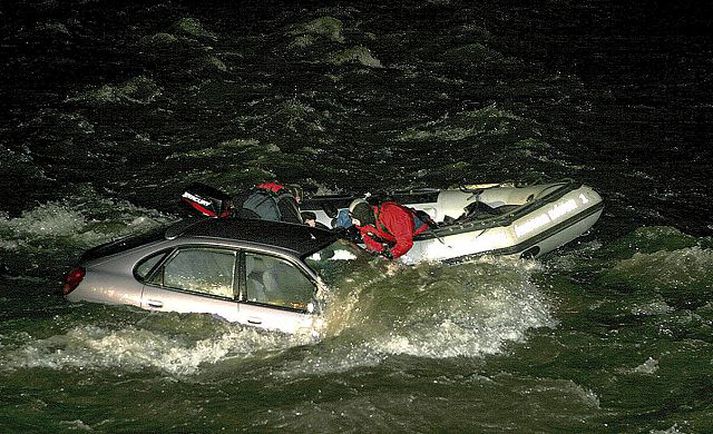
[254, 321]
[155, 303]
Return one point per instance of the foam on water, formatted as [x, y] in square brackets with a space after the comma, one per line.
[687, 268]
[76, 221]
[429, 311]
[486, 121]
[325, 27]
[358, 54]
[134, 348]
[652, 307]
[566, 388]
[46, 220]
[672, 430]
[492, 312]
[193, 28]
[650, 366]
[138, 90]
[43, 241]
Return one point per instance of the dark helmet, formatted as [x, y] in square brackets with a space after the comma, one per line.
[308, 215]
[361, 210]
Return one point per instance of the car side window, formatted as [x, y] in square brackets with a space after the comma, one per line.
[203, 270]
[145, 266]
[274, 281]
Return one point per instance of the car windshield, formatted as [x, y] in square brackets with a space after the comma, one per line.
[338, 261]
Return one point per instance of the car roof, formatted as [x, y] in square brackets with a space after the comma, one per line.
[300, 239]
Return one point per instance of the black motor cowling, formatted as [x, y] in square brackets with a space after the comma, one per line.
[207, 201]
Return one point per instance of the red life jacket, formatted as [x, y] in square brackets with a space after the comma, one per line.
[395, 225]
[271, 186]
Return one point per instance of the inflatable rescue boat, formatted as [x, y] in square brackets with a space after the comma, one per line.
[487, 219]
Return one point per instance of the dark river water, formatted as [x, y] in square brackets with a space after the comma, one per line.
[110, 108]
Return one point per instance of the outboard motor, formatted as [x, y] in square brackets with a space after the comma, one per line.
[207, 201]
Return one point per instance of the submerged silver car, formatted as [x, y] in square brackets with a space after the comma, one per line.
[253, 272]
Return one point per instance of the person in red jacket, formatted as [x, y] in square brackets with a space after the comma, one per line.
[387, 228]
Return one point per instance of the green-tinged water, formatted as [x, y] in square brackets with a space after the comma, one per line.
[595, 338]
[110, 110]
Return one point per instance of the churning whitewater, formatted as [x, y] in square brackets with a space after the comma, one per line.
[425, 311]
